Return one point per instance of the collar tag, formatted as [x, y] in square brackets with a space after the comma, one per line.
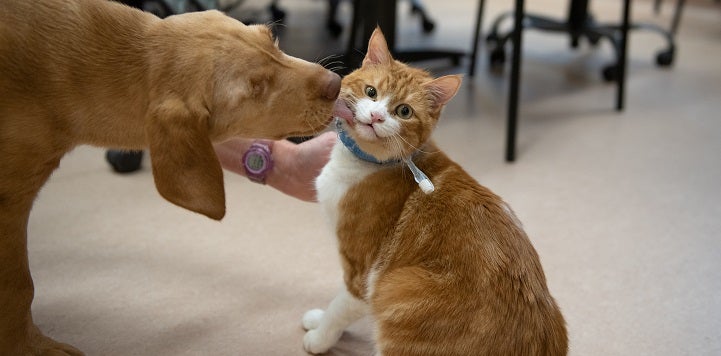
[421, 178]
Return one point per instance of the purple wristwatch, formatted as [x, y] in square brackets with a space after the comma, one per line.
[258, 161]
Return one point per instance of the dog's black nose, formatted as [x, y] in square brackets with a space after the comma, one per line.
[333, 87]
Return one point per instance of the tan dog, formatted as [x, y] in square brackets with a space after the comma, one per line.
[96, 72]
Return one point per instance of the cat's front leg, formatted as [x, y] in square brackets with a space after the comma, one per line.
[326, 327]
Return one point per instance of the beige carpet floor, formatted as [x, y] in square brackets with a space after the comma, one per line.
[623, 208]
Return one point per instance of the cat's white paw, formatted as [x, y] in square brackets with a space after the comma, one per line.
[311, 319]
[317, 343]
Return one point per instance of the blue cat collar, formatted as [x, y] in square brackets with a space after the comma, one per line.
[352, 146]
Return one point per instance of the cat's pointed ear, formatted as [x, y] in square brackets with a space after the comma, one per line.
[378, 52]
[443, 89]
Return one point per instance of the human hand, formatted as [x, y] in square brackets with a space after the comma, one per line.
[298, 165]
[295, 166]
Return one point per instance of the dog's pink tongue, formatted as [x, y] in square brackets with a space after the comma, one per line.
[341, 110]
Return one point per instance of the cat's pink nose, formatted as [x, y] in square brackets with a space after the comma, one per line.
[376, 117]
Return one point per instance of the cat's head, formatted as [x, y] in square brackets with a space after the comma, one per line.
[389, 108]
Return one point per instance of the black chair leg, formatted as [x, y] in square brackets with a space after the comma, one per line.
[622, 59]
[677, 17]
[476, 38]
[676, 14]
[514, 82]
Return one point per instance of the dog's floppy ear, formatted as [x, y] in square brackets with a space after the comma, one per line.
[185, 166]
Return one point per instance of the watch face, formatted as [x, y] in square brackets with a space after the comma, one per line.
[255, 162]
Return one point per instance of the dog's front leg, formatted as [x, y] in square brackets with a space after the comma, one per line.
[20, 181]
[16, 286]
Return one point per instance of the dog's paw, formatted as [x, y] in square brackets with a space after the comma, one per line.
[311, 319]
[315, 342]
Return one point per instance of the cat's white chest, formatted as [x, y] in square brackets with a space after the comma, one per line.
[341, 173]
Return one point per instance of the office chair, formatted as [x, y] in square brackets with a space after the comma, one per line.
[579, 24]
[417, 8]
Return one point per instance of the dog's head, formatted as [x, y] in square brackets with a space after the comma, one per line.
[214, 78]
[262, 92]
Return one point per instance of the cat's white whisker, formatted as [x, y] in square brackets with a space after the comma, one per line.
[418, 149]
[408, 143]
[398, 146]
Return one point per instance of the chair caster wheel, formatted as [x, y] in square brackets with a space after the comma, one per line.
[497, 59]
[665, 58]
[610, 73]
[124, 161]
[428, 26]
[574, 42]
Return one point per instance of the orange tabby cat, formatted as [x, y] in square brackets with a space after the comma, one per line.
[443, 266]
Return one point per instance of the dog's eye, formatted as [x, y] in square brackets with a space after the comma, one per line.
[404, 111]
[371, 92]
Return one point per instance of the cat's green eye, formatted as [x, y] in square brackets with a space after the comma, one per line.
[371, 92]
[404, 111]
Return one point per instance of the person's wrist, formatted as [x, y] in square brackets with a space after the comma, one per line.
[283, 154]
[292, 177]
